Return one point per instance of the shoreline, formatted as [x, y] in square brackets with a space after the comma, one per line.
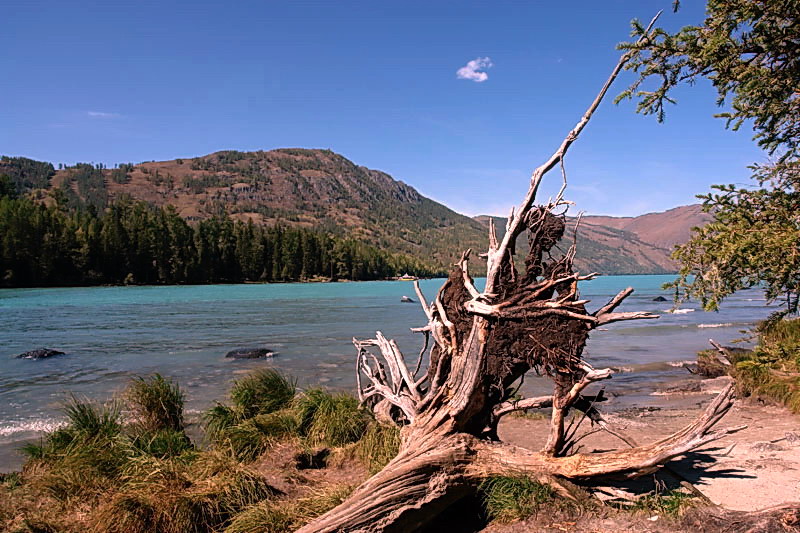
[288, 282]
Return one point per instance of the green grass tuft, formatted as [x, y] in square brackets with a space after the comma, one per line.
[261, 392]
[88, 420]
[156, 404]
[671, 503]
[509, 498]
[162, 444]
[378, 446]
[251, 438]
[219, 418]
[330, 419]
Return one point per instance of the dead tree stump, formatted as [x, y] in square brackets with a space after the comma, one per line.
[482, 342]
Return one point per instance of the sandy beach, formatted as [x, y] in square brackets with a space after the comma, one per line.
[755, 468]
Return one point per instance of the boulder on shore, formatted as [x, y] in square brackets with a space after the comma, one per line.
[41, 353]
[250, 353]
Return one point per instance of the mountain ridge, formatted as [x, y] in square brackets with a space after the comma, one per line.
[320, 189]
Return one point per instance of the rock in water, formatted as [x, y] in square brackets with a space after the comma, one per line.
[41, 353]
[659, 299]
[406, 299]
[250, 353]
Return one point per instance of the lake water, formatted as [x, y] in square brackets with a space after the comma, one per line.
[113, 333]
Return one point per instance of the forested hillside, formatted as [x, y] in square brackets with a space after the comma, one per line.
[133, 242]
[303, 188]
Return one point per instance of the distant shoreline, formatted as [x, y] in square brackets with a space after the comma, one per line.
[288, 282]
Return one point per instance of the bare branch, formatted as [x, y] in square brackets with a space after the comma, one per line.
[510, 406]
[614, 302]
[722, 354]
[422, 300]
[498, 253]
[618, 317]
[463, 264]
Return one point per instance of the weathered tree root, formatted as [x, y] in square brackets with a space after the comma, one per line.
[484, 342]
[432, 471]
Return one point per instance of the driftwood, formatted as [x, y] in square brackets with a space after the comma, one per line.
[481, 343]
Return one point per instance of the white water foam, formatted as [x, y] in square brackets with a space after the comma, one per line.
[29, 426]
[679, 311]
[678, 364]
[724, 325]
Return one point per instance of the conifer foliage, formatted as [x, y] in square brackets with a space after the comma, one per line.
[750, 51]
[133, 242]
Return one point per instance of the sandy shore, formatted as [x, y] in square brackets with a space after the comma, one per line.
[756, 468]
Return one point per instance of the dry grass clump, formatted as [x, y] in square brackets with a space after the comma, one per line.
[83, 458]
[285, 516]
[181, 501]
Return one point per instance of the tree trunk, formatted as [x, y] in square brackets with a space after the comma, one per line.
[483, 342]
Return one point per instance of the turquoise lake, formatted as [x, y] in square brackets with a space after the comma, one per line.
[113, 333]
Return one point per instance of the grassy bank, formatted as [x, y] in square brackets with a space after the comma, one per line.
[769, 372]
[272, 459]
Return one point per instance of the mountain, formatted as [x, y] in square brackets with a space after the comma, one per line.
[324, 190]
[663, 230]
[298, 187]
[625, 245]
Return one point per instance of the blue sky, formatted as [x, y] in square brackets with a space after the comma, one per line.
[375, 81]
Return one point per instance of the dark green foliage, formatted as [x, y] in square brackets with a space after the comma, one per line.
[753, 241]
[121, 174]
[132, 242]
[748, 49]
[508, 498]
[156, 404]
[26, 174]
[91, 186]
[162, 443]
[7, 187]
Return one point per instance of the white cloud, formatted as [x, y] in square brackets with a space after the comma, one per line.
[472, 70]
[102, 114]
